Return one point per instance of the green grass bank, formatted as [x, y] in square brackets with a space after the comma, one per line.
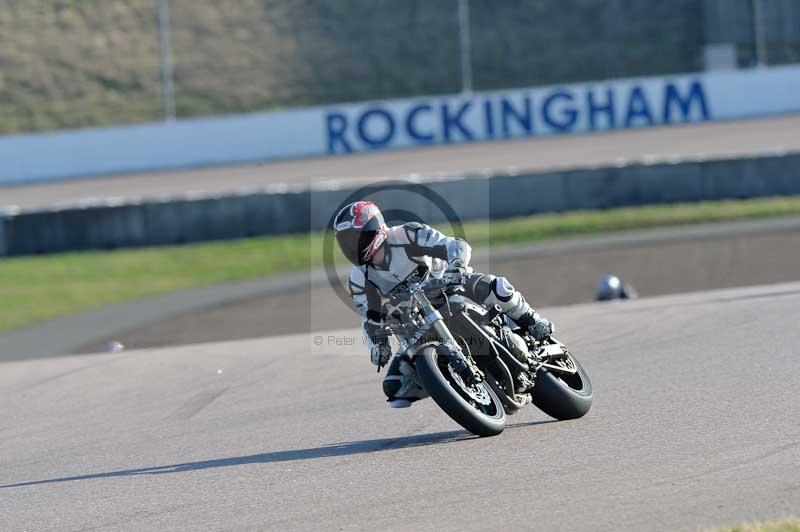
[80, 63]
[787, 525]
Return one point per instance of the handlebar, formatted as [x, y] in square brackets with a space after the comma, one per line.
[432, 284]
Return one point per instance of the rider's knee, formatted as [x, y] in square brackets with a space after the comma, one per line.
[482, 287]
[393, 380]
[488, 287]
[503, 289]
[391, 386]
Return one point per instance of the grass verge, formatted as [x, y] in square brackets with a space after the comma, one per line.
[38, 288]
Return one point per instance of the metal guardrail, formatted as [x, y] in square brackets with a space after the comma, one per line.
[185, 220]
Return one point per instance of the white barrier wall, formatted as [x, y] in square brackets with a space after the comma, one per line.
[575, 108]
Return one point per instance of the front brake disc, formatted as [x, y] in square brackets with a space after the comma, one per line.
[476, 392]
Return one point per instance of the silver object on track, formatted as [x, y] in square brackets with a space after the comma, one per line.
[114, 347]
[611, 287]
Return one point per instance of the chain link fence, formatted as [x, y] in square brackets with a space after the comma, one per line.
[78, 63]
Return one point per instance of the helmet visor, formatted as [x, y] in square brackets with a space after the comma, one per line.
[354, 244]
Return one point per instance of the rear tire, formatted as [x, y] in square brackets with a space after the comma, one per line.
[561, 395]
[490, 422]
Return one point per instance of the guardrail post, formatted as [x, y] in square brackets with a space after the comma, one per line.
[465, 46]
[165, 49]
[3, 246]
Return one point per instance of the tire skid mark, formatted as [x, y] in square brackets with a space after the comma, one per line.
[67, 373]
[742, 463]
[196, 404]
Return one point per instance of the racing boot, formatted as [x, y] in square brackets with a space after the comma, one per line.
[499, 291]
[401, 385]
[540, 328]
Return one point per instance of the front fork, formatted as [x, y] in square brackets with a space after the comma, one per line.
[449, 347]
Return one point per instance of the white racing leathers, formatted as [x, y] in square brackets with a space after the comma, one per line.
[413, 250]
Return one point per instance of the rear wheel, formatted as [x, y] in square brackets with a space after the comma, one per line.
[474, 407]
[563, 395]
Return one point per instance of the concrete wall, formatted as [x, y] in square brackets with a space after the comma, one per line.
[476, 197]
[424, 121]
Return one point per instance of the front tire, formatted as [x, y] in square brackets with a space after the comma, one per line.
[561, 395]
[482, 420]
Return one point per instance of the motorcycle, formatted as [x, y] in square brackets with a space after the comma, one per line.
[474, 365]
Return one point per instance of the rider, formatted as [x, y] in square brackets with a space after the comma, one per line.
[384, 257]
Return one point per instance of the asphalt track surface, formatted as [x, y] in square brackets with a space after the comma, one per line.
[694, 425]
[705, 140]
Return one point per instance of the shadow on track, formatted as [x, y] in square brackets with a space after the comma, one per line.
[326, 451]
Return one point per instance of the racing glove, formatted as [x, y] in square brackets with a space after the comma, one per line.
[380, 354]
[380, 351]
[455, 272]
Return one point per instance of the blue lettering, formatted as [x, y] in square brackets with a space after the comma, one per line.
[568, 114]
[412, 129]
[369, 138]
[454, 120]
[337, 126]
[488, 113]
[638, 107]
[672, 96]
[606, 108]
[523, 119]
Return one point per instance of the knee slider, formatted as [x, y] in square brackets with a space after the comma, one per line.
[393, 380]
[391, 385]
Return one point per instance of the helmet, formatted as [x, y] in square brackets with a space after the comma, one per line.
[609, 287]
[360, 231]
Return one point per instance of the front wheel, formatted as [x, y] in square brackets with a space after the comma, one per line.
[476, 408]
[563, 395]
